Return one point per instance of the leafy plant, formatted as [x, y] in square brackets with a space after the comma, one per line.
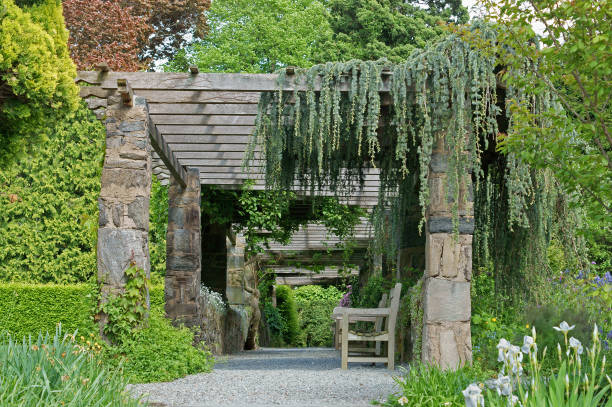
[159, 352]
[425, 386]
[126, 311]
[57, 371]
[572, 384]
[48, 205]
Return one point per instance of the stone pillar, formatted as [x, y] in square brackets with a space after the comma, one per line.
[184, 251]
[124, 197]
[235, 271]
[448, 271]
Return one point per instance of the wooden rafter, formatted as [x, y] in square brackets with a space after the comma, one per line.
[166, 155]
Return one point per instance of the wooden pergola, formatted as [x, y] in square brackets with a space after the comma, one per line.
[201, 120]
[198, 126]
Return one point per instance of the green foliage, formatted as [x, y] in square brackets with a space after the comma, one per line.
[159, 352]
[371, 293]
[258, 36]
[392, 29]
[54, 371]
[287, 308]
[415, 303]
[158, 226]
[566, 74]
[315, 305]
[29, 309]
[48, 205]
[36, 75]
[425, 386]
[126, 310]
[271, 211]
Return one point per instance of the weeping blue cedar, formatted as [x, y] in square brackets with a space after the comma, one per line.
[325, 139]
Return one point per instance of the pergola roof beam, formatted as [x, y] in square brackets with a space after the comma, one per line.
[166, 155]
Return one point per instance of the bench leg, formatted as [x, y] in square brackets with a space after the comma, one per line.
[344, 336]
[391, 353]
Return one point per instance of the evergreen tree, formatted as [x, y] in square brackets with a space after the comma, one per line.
[392, 29]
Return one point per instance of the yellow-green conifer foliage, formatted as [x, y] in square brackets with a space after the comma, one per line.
[48, 205]
[36, 75]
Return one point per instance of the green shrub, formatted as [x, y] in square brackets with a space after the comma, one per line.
[48, 206]
[315, 305]
[29, 309]
[36, 75]
[159, 352]
[55, 371]
[288, 310]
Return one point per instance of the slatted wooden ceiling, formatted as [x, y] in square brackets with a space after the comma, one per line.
[206, 119]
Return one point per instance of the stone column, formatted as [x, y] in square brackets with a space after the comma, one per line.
[124, 196]
[448, 271]
[235, 271]
[184, 251]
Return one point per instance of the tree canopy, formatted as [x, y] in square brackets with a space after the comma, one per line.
[571, 60]
[258, 36]
[261, 36]
[392, 29]
[36, 74]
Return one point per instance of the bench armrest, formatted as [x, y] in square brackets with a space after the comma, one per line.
[365, 312]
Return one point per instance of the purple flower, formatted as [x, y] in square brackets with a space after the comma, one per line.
[346, 299]
[593, 262]
[608, 277]
[609, 336]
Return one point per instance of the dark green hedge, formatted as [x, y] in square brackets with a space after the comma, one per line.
[27, 309]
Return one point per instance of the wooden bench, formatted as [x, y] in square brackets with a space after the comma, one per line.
[389, 314]
[377, 321]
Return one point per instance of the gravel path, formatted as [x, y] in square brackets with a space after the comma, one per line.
[304, 377]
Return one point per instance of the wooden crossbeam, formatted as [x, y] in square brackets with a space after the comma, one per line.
[167, 156]
[186, 81]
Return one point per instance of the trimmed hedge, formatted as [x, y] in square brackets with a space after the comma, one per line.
[288, 311]
[27, 309]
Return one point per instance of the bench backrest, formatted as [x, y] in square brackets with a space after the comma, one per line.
[394, 300]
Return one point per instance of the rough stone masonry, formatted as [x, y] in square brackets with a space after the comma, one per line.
[184, 251]
[448, 270]
[123, 204]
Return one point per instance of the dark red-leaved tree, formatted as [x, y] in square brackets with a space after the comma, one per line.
[129, 34]
[105, 31]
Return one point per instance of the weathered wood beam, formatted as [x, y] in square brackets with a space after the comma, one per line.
[166, 155]
[196, 129]
[180, 109]
[241, 82]
[204, 119]
[207, 138]
[126, 92]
